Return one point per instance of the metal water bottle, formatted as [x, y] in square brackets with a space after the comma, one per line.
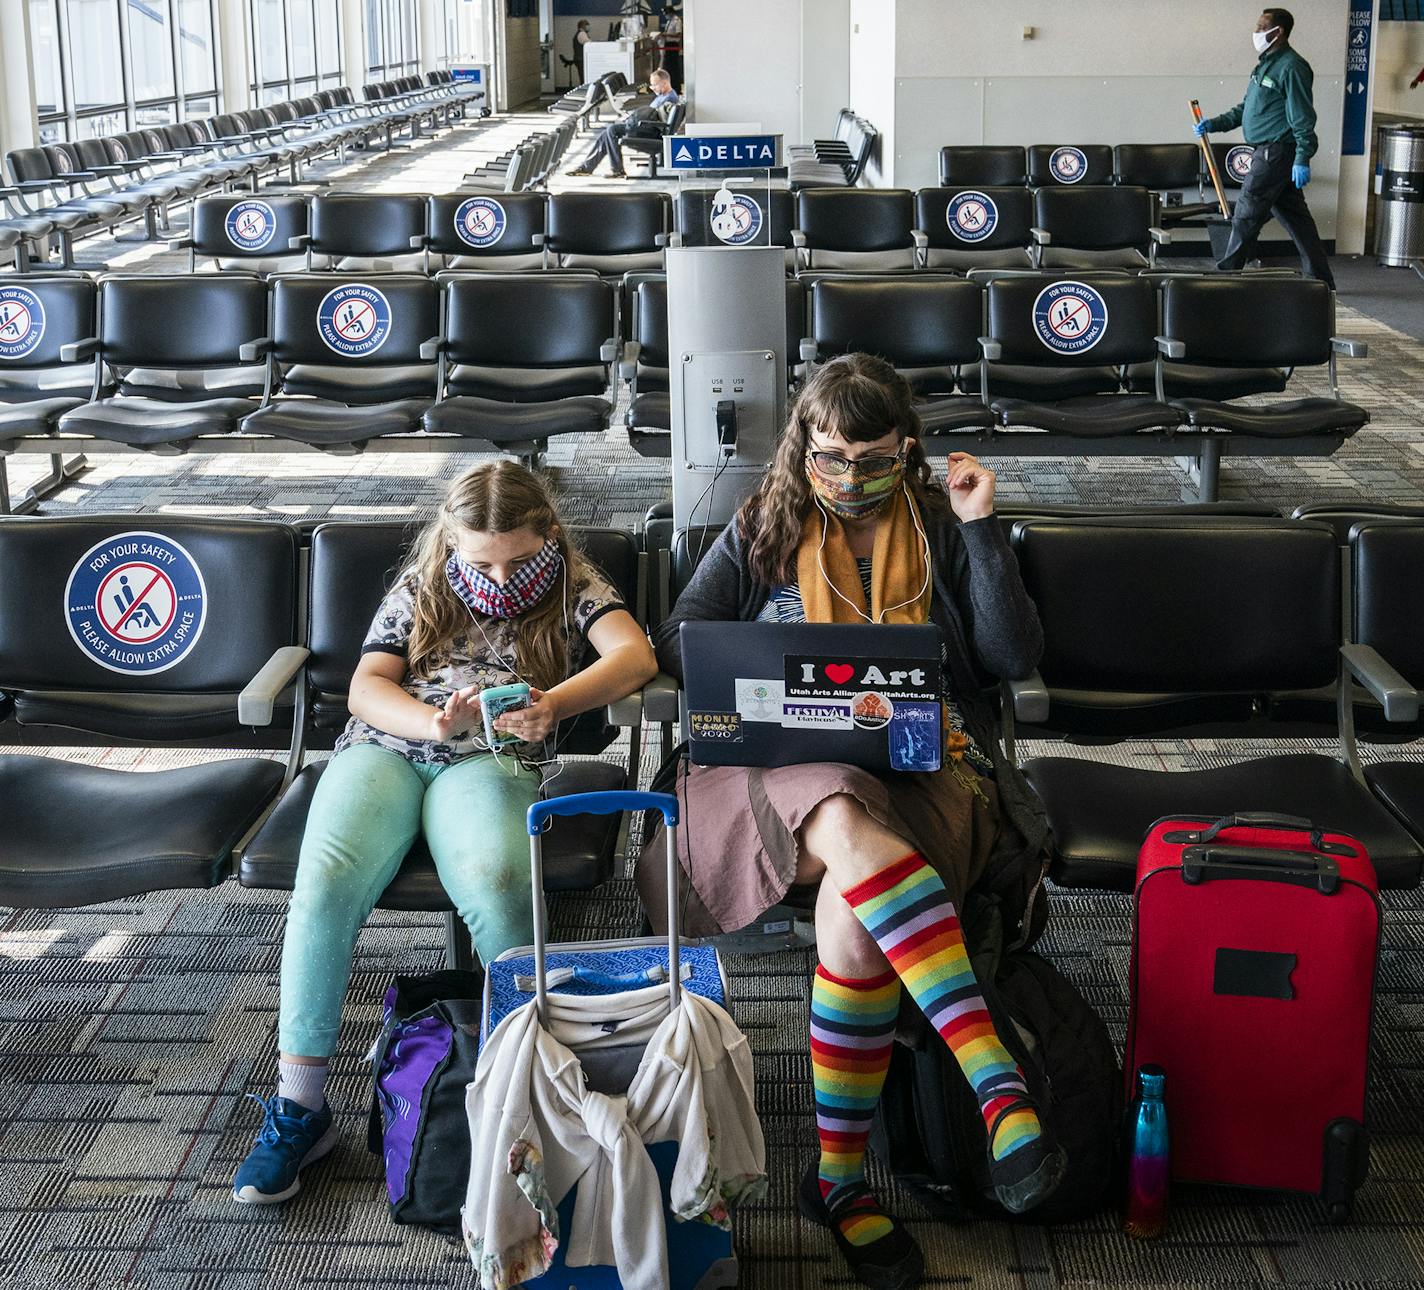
[1147, 1168]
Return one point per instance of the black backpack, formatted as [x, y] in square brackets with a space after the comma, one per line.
[426, 1054]
[929, 1132]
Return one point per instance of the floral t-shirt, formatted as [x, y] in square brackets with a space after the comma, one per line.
[468, 660]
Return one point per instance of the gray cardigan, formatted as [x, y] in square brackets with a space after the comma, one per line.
[991, 633]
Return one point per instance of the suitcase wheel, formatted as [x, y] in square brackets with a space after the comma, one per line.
[1339, 1212]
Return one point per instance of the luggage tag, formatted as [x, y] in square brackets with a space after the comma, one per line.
[915, 736]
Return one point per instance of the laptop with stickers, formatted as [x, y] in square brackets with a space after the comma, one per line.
[780, 694]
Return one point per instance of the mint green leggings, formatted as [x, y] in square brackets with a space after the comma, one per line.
[369, 805]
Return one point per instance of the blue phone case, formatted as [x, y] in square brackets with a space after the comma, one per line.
[493, 702]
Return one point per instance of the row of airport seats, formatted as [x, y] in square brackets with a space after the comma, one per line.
[276, 617]
[232, 363]
[1162, 167]
[1173, 357]
[1227, 622]
[527, 165]
[837, 229]
[63, 191]
[834, 162]
[584, 103]
[1314, 625]
[229, 362]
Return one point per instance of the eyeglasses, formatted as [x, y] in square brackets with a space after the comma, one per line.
[833, 464]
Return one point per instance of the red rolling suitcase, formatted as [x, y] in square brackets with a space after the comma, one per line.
[1253, 972]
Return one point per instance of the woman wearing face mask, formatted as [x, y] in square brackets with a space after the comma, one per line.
[849, 526]
[495, 592]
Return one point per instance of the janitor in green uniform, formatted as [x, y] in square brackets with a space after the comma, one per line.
[1278, 119]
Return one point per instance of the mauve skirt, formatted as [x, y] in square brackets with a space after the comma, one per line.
[739, 839]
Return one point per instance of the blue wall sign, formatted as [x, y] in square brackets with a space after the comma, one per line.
[1357, 78]
[724, 152]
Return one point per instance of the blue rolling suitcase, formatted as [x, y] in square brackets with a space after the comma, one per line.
[700, 1256]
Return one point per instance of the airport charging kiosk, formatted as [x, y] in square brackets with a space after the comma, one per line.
[726, 322]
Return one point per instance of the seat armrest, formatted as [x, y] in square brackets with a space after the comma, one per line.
[920, 238]
[1041, 236]
[1159, 235]
[181, 244]
[1350, 348]
[798, 239]
[809, 350]
[1399, 699]
[417, 241]
[990, 348]
[430, 349]
[1170, 347]
[627, 713]
[78, 350]
[299, 243]
[538, 239]
[608, 351]
[7, 707]
[628, 364]
[661, 699]
[252, 350]
[1029, 697]
[259, 695]
[36, 185]
[106, 170]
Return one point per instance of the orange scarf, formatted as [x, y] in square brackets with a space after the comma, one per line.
[897, 568]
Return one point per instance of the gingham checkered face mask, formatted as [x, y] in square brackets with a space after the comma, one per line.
[525, 589]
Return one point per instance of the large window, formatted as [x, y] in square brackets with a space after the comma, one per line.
[104, 66]
[392, 38]
[296, 47]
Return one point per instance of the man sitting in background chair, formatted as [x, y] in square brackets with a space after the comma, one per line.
[648, 121]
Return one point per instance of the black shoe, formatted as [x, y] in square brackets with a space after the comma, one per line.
[1029, 1174]
[894, 1262]
[579, 172]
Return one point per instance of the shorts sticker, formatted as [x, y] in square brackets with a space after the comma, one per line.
[816, 714]
[735, 218]
[1070, 317]
[972, 216]
[251, 225]
[760, 700]
[22, 322]
[871, 711]
[480, 222]
[716, 727]
[354, 321]
[915, 736]
[1068, 165]
[1238, 161]
[136, 603]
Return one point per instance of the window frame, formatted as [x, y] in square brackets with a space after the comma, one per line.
[291, 85]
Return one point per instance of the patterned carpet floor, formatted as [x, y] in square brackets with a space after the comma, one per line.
[130, 1032]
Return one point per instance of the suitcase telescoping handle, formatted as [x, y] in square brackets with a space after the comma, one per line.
[1266, 820]
[611, 803]
[1205, 861]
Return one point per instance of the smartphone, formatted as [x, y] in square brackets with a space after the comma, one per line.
[501, 699]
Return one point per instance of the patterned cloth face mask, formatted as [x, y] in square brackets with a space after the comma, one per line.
[528, 585]
[854, 491]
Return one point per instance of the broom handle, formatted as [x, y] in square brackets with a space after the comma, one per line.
[1210, 162]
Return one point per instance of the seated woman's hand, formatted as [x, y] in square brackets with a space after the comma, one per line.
[533, 724]
[460, 713]
[970, 486]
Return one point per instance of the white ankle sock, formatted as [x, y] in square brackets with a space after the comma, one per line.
[302, 1084]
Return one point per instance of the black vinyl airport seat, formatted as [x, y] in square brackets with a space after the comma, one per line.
[612, 233]
[975, 227]
[1097, 227]
[964, 166]
[351, 358]
[174, 346]
[1069, 163]
[866, 229]
[367, 232]
[1266, 595]
[258, 233]
[503, 232]
[141, 631]
[525, 357]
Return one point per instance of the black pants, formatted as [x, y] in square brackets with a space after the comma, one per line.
[1268, 191]
[606, 141]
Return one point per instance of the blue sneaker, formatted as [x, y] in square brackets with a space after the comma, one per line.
[290, 1137]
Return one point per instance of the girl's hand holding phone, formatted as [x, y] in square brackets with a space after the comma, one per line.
[460, 713]
[533, 724]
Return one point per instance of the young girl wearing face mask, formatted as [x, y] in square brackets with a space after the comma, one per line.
[849, 526]
[495, 592]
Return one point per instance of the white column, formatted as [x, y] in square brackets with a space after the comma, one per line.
[430, 15]
[234, 59]
[353, 43]
[17, 82]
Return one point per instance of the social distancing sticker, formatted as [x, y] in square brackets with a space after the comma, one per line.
[1070, 317]
[251, 225]
[22, 322]
[972, 216]
[354, 321]
[480, 222]
[1068, 165]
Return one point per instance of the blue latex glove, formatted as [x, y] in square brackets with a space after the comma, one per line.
[1300, 175]
[1202, 127]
